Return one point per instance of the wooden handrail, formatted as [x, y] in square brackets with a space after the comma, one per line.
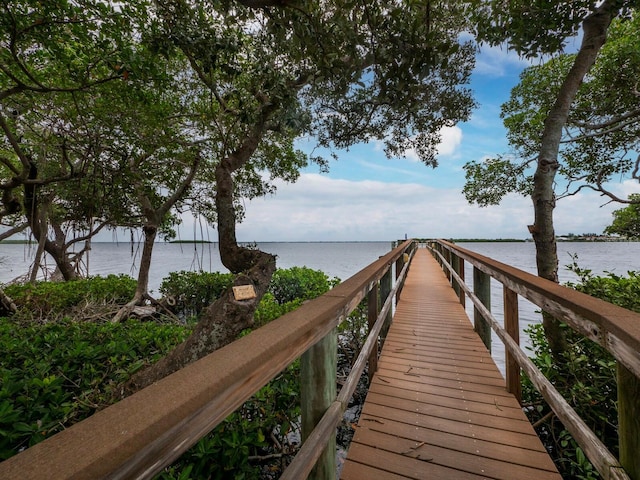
[613, 327]
[311, 449]
[138, 436]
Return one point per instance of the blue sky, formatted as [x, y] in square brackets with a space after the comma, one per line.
[367, 197]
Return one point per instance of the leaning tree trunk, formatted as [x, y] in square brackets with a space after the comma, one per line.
[142, 286]
[595, 33]
[222, 321]
[154, 216]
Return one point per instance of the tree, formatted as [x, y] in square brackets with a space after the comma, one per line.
[601, 133]
[98, 151]
[626, 221]
[48, 54]
[343, 71]
[533, 29]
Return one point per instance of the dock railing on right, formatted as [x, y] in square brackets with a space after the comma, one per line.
[614, 328]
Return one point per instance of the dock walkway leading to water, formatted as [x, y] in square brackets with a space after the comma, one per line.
[437, 407]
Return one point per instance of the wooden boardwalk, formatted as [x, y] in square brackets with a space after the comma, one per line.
[437, 407]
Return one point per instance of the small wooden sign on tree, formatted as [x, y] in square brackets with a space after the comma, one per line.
[244, 292]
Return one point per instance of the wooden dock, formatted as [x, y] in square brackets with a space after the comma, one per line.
[437, 407]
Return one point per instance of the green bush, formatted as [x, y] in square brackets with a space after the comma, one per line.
[235, 448]
[194, 291]
[55, 374]
[585, 376]
[48, 301]
[299, 283]
[243, 446]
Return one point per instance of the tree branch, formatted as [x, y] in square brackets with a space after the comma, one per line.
[26, 163]
[12, 231]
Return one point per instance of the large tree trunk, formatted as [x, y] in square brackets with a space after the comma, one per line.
[222, 321]
[595, 33]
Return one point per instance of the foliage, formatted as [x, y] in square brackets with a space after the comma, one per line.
[626, 221]
[299, 282]
[272, 413]
[621, 291]
[45, 301]
[259, 428]
[601, 132]
[194, 291]
[55, 374]
[585, 376]
[532, 28]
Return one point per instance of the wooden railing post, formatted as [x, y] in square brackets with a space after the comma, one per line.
[458, 266]
[318, 367]
[385, 288]
[629, 421]
[399, 264]
[511, 325]
[482, 290]
[372, 316]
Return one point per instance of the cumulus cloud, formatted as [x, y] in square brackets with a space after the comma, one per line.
[321, 208]
[498, 61]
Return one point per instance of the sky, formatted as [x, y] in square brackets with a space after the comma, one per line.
[368, 197]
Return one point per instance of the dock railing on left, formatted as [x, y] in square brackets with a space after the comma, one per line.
[140, 435]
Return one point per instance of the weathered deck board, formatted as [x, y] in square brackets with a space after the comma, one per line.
[437, 407]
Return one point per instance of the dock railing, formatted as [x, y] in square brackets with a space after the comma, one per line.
[614, 328]
[140, 435]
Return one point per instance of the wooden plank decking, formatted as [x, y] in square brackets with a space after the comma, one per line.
[437, 407]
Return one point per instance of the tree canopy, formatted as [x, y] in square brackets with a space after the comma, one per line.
[532, 29]
[626, 221]
[600, 139]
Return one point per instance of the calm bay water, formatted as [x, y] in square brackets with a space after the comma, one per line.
[338, 259]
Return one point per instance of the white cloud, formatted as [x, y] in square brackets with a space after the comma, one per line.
[499, 61]
[321, 208]
[626, 188]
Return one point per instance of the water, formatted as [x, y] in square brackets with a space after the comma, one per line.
[336, 259]
[340, 259]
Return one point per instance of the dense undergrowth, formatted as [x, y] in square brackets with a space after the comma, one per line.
[585, 376]
[57, 367]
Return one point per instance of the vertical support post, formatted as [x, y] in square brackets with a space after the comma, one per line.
[482, 290]
[512, 326]
[372, 316]
[399, 265]
[457, 264]
[463, 297]
[317, 392]
[385, 289]
[629, 421]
